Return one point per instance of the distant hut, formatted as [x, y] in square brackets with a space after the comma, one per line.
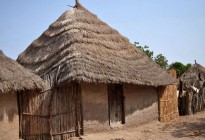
[98, 79]
[194, 76]
[191, 90]
[14, 79]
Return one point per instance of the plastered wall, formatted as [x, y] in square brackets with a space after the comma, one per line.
[95, 107]
[141, 104]
[9, 120]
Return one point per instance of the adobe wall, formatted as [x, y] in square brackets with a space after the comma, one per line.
[9, 120]
[95, 107]
[141, 104]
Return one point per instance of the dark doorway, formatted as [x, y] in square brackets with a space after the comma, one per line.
[116, 104]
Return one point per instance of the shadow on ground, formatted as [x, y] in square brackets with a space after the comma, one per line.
[187, 129]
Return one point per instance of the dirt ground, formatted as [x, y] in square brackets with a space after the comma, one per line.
[183, 128]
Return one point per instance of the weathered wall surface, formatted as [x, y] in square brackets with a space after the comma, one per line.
[95, 107]
[141, 104]
[9, 120]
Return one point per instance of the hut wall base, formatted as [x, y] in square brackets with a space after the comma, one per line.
[95, 107]
[141, 104]
[9, 120]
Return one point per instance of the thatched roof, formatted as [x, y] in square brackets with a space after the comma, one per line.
[194, 76]
[13, 77]
[80, 47]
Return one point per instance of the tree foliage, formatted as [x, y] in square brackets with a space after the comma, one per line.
[161, 60]
[179, 67]
[145, 49]
[188, 66]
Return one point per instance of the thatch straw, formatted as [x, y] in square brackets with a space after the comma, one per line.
[194, 76]
[13, 77]
[83, 48]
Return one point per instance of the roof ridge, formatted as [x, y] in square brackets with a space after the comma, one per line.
[77, 4]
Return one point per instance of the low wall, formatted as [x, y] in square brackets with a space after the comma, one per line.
[141, 104]
[95, 107]
[9, 120]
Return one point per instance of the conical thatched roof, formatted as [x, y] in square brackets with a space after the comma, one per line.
[194, 76]
[13, 77]
[80, 47]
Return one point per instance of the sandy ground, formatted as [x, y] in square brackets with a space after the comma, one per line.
[183, 128]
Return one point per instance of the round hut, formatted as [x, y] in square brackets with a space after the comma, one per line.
[191, 90]
[14, 79]
[98, 79]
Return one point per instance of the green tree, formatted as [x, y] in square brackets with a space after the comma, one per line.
[145, 49]
[161, 60]
[179, 67]
[188, 66]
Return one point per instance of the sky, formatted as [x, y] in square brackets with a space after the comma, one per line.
[174, 28]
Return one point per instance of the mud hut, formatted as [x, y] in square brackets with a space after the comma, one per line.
[98, 79]
[14, 79]
[191, 90]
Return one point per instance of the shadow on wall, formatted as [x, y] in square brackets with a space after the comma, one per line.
[8, 107]
[8, 113]
[140, 106]
[139, 99]
[188, 129]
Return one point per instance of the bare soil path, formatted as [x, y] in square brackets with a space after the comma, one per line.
[183, 128]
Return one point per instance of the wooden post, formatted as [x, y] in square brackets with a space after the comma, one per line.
[81, 109]
[76, 2]
[180, 98]
[50, 113]
[19, 113]
[203, 97]
[76, 94]
[189, 96]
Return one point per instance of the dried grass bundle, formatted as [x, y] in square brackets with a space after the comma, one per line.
[13, 77]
